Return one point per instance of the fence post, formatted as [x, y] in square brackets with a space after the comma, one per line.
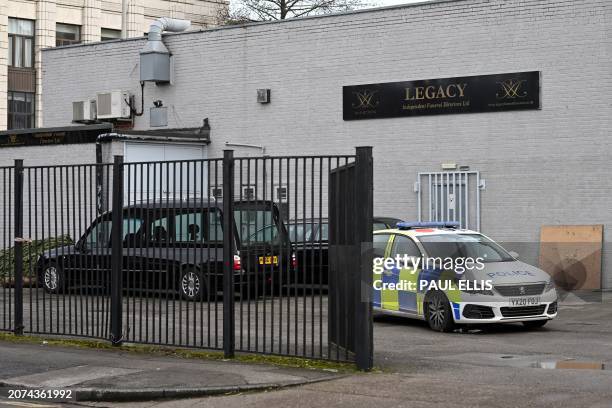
[228, 254]
[116, 307]
[364, 204]
[18, 213]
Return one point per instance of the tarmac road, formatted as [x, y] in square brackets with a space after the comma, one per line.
[496, 367]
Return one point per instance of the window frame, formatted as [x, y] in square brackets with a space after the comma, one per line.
[205, 218]
[390, 238]
[83, 242]
[11, 115]
[172, 226]
[67, 41]
[12, 38]
[103, 38]
[410, 239]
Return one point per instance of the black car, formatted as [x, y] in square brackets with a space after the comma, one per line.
[380, 223]
[175, 246]
[310, 238]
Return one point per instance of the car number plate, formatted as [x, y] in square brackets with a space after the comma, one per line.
[268, 260]
[525, 301]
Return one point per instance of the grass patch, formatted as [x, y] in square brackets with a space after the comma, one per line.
[281, 361]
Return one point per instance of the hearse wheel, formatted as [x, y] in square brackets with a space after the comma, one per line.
[52, 278]
[191, 284]
[438, 312]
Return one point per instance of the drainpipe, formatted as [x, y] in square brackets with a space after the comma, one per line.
[124, 12]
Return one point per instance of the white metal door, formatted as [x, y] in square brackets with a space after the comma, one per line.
[149, 181]
[450, 196]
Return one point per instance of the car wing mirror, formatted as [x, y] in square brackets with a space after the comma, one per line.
[514, 254]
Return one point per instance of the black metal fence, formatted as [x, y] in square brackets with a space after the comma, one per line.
[228, 254]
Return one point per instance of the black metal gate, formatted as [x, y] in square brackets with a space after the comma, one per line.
[350, 246]
[228, 254]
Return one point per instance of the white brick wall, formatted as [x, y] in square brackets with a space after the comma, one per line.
[542, 167]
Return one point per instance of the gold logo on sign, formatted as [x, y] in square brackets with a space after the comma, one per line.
[511, 89]
[12, 139]
[366, 100]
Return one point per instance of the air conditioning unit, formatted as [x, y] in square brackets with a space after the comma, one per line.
[113, 105]
[84, 111]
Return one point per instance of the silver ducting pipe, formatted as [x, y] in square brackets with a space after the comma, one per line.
[166, 24]
[154, 56]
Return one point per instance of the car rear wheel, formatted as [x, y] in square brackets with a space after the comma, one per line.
[535, 324]
[438, 312]
[191, 285]
[52, 278]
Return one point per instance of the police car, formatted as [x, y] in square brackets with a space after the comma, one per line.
[449, 276]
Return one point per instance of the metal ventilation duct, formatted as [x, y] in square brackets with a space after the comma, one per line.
[155, 57]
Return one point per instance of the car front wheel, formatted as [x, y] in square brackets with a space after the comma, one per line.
[191, 285]
[438, 312]
[52, 278]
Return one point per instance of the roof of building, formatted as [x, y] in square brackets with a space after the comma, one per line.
[260, 23]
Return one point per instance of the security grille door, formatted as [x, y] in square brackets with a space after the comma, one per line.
[450, 196]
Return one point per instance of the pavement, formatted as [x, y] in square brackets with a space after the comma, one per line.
[568, 363]
[114, 375]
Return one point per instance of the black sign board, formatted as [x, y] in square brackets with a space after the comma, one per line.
[485, 93]
[53, 136]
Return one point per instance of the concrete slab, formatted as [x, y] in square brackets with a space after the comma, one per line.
[68, 376]
[93, 374]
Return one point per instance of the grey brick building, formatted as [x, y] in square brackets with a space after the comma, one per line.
[534, 167]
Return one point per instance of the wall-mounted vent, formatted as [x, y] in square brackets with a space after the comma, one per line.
[248, 193]
[263, 95]
[113, 105]
[217, 192]
[155, 62]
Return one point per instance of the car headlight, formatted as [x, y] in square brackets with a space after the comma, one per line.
[550, 285]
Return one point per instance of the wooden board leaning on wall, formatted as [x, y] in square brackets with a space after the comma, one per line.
[571, 254]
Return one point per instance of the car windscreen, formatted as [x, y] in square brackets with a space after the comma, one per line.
[256, 225]
[464, 246]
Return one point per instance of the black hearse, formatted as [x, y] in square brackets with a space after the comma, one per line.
[310, 238]
[176, 246]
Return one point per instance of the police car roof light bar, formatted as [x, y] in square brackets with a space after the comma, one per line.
[428, 224]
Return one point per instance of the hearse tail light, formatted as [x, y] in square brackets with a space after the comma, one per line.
[237, 263]
[294, 262]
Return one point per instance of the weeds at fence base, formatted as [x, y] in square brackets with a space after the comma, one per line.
[281, 361]
[31, 252]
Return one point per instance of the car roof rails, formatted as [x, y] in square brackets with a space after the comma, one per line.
[428, 224]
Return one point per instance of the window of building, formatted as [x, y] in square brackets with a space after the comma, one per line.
[21, 43]
[66, 34]
[110, 34]
[20, 110]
